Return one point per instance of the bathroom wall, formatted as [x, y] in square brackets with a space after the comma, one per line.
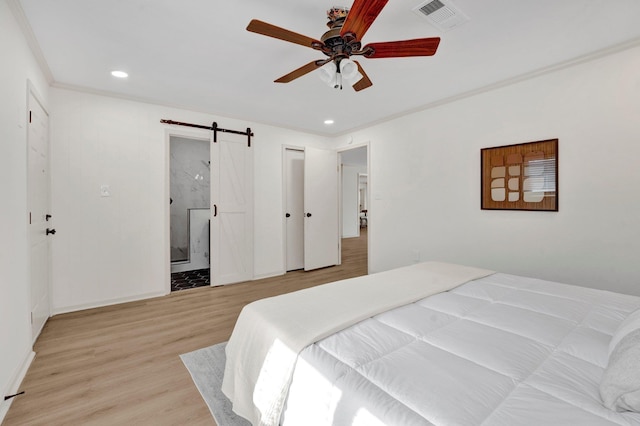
[189, 189]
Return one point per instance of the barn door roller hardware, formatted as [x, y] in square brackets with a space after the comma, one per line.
[214, 128]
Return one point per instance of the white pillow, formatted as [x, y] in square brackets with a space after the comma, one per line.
[620, 384]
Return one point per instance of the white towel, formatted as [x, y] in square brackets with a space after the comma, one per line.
[620, 384]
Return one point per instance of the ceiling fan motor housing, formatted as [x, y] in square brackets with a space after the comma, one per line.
[336, 45]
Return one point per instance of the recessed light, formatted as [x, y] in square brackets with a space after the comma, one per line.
[328, 122]
[119, 74]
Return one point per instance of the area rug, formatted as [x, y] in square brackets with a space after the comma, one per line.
[206, 367]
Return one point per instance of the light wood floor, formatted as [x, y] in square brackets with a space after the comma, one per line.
[119, 365]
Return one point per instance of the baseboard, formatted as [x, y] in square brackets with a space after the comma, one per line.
[15, 384]
[269, 275]
[82, 307]
[351, 236]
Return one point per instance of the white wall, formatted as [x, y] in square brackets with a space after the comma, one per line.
[350, 198]
[425, 170]
[113, 249]
[268, 195]
[18, 66]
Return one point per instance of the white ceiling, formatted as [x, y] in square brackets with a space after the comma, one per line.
[196, 54]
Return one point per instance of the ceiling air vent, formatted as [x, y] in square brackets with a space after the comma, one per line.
[443, 14]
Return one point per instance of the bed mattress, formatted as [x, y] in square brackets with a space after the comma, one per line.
[500, 350]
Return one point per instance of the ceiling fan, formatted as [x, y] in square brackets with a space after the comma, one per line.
[347, 27]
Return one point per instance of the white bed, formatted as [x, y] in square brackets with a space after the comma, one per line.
[497, 350]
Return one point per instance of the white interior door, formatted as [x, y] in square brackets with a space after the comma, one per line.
[294, 208]
[40, 223]
[321, 223]
[232, 209]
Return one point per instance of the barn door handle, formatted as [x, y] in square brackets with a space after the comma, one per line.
[308, 214]
[215, 210]
[51, 231]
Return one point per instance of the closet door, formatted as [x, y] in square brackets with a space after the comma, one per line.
[321, 221]
[231, 210]
[294, 209]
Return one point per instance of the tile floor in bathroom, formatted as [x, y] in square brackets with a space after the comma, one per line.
[189, 279]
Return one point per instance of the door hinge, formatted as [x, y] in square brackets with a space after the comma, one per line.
[29, 116]
[29, 218]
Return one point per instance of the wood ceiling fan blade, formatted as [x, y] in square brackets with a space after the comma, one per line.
[398, 49]
[264, 28]
[305, 69]
[361, 16]
[364, 82]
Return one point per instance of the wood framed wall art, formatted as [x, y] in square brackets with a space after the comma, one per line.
[520, 177]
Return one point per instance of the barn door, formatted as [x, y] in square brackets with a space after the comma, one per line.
[231, 210]
[321, 230]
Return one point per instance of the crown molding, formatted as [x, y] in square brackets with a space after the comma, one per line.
[30, 36]
[629, 44]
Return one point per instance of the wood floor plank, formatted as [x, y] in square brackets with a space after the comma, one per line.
[120, 364]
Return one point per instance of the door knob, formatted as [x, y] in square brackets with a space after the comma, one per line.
[308, 214]
[51, 231]
[287, 215]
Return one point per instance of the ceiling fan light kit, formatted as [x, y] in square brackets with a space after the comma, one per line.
[349, 70]
[329, 74]
[343, 40]
[334, 74]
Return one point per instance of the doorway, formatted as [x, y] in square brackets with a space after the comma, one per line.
[189, 206]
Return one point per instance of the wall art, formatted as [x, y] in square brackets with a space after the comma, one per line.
[520, 177]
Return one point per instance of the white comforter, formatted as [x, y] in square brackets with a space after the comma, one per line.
[270, 333]
[501, 350]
